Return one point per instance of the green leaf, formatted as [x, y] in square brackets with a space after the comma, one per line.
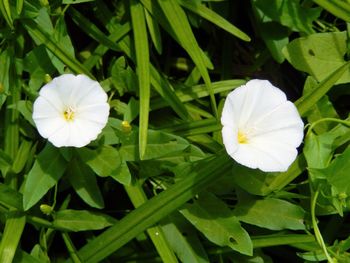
[322, 109]
[81, 220]
[84, 183]
[337, 173]
[307, 101]
[104, 161]
[11, 237]
[45, 173]
[270, 213]
[319, 54]
[289, 13]
[10, 198]
[142, 70]
[318, 149]
[216, 221]
[274, 35]
[155, 209]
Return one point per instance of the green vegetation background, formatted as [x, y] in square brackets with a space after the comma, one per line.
[162, 189]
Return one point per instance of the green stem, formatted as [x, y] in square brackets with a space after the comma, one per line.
[318, 234]
[344, 122]
[71, 248]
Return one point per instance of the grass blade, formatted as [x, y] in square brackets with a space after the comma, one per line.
[213, 17]
[12, 234]
[142, 69]
[338, 8]
[156, 208]
[308, 100]
[182, 29]
[38, 33]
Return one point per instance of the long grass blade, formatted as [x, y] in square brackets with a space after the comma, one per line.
[156, 208]
[142, 69]
[182, 29]
[213, 17]
[338, 8]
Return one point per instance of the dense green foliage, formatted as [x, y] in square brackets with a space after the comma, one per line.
[157, 184]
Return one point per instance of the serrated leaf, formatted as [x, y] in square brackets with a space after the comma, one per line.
[81, 220]
[45, 173]
[216, 221]
[270, 213]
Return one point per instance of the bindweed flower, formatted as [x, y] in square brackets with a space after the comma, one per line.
[71, 110]
[261, 128]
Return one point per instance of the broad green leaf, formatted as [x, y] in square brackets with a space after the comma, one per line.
[104, 161]
[10, 198]
[215, 220]
[322, 109]
[319, 54]
[81, 220]
[45, 173]
[84, 183]
[289, 13]
[274, 35]
[142, 69]
[270, 213]
[213, 17]
[337, 173]
[318, 149]
[122, 77]
[155, 209]
[15, 222]
[340, 9]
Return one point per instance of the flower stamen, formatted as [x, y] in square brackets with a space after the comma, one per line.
[242, 138]
[69, 114]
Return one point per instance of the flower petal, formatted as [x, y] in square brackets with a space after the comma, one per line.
[88, 108]
[229, 137]
[271, 124]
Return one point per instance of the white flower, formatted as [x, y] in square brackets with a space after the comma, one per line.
[261, 128]
[71, 110]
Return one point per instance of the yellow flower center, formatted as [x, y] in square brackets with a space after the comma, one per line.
[69, 114]
[242, 137]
